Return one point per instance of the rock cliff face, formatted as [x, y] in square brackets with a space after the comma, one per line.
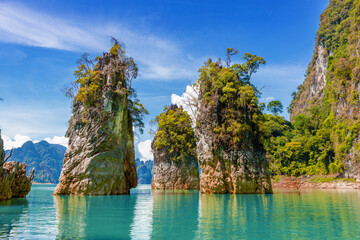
[13, 180]
[333, 82]
[175, 162]
[100, 158]
[225, 169]
[229, 149]
[174, 175]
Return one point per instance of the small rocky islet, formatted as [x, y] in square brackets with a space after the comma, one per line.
[100, 159]
[174, 147]
[13, 180]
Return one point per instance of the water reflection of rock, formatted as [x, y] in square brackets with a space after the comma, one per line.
[310, 215]
[141, 228]
[94, 217]
[11, 211]
[234, 215]
[175, 214]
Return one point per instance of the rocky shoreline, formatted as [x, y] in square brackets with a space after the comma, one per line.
[305, 182]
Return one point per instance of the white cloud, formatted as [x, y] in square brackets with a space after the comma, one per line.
[58, 140]
[145, 150]
[158, 57]
[19, 140]
[188, 100]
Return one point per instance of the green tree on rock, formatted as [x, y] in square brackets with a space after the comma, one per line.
[175, 134]
[275, 107]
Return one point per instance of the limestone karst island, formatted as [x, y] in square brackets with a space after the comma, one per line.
[180, 119]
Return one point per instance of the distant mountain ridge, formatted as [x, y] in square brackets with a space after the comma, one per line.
[47, 160]
[144, 171]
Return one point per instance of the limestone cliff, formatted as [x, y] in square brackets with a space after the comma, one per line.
[174, 148]
[100, 158]
[13, 180]
[229, 149]
[332, 86]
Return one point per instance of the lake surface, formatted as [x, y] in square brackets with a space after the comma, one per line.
[327, 214]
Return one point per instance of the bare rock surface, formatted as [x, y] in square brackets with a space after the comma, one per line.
[306, 183]
[174, 175]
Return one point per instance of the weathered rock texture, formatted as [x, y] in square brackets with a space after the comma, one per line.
[333, 82]
[229, 149]
[306, 182]
[13, 180]
[174, 148]
[100, 159]
[225, 170]
[176, 175]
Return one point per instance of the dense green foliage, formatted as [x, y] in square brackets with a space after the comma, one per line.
[175, 134]
[326, 126]
[46, 158]
[90, 81]
[238, 109]
[301, 147]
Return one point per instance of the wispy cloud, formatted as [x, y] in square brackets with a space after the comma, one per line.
[159, 58]
[267, 99]
[19, 24]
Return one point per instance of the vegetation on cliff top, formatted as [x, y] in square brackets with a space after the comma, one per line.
[239, 108]
[90, 81]
[175, 134]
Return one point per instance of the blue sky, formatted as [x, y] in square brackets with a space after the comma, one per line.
[40, 42]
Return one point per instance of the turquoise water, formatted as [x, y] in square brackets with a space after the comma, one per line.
[326, 214]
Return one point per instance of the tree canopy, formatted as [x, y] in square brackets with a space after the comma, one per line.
[275, 107]
[90, 81]
[229, 87]
[175, 134]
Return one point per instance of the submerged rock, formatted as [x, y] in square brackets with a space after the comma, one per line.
[100, 158]
[229, 149]
[174, 148]
[13, 180]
